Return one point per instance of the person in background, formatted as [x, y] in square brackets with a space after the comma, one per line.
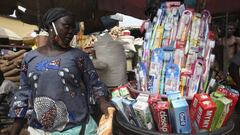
[232, 42]
[51, 93]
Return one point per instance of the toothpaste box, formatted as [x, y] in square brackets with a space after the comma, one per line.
[152, 101]
[124, 91]
[215, 95]
[143, 115]
[204, 115]
[115, 93]
[172, 95]
[117, 101]
[129, 111]
[234, 95]
[222, 89]
[223, 106]
[180, 116]
[231, 94]
[163, 121]
[195, 103]
[143, 97]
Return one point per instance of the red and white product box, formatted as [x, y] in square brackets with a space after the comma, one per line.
[204, 115]
[231, 94]
[223, 90]
[162, 111]
[195, 102]
[152, 101]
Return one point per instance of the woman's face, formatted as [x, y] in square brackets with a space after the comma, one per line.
[65, 27]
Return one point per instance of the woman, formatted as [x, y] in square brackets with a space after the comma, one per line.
[50, 93]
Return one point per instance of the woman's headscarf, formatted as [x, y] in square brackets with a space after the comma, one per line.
[52, 15]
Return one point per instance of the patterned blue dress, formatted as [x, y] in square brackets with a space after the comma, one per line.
[51, 95]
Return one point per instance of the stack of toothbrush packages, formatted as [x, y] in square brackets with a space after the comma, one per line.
[177, 52]
[175, 64]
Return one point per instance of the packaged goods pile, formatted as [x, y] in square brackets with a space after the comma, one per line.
[175, 65]
[177, 52]
[10, 63]
[173, 114]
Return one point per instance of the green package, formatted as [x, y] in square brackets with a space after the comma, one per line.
[115, 93]
[223, 105]
[124, 91]
[143, 115]
[216, 95]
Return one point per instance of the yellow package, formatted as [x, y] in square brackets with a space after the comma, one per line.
[105, 125]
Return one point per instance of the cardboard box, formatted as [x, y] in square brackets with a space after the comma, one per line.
[163, 122]
[172, 95]
[195, 103]
[143, 115]
[117, 101]
[152, 101]
[180, 115]
[232, 95]
[123, 90]
[204, 115]
[215, 95]
[129, 111]
[143, 97]
[223, 106]
[115, 93]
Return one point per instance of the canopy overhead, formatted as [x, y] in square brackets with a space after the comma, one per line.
[20, 28]
[6, 33]
[83, 9]
[32, 10]
[135, 8]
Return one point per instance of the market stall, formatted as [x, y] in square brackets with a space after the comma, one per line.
[175, 91]
[173, 73]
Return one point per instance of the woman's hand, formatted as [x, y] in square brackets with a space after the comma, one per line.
[104, 106]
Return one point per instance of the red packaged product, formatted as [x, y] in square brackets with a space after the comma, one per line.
[195, 102]
[204, 115]
[223, 90]
[163, 122]
[152, 101]
[232, 95]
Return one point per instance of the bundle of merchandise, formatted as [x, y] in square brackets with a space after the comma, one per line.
[208, 113]
[84, 42]
[177, 52]
[116, 32]
[173, 114]
[135, 111]
[175, 66]
[151, 112]
[10, 62]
